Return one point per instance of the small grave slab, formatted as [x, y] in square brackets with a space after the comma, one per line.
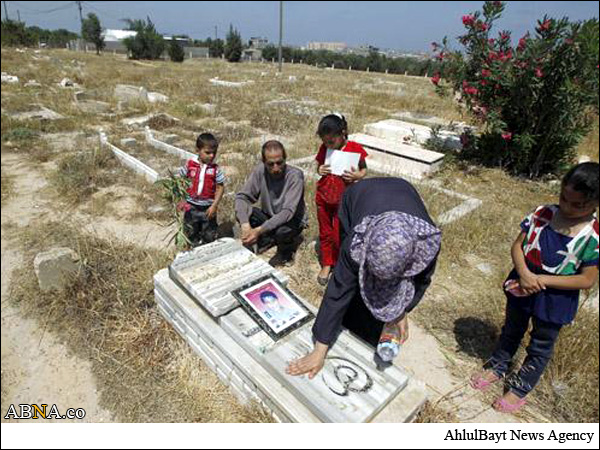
[210, 273]
[38, 113]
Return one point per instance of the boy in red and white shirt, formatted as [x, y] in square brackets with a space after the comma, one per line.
[333, 131]
[205, 192]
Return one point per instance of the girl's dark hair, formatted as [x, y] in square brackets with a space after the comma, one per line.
[333, 125]
[207, 140]
[584, 179]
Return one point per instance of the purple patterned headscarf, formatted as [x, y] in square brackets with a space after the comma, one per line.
[391, 249]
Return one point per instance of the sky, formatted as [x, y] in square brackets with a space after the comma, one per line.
[403, 25]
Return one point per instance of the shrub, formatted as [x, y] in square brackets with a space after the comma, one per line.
[532, 99]
[233, 46]
[176, 52]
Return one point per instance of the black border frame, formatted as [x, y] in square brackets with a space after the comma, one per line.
[259, 320]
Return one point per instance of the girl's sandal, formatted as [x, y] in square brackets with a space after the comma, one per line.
[480, 383]
[502, 406]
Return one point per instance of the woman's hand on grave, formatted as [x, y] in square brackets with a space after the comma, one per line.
[403, 332]
[310, 364]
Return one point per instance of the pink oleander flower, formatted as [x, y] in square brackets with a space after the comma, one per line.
[468, 20]
[507, 136]
[539, 73]
[469, 90]
[545, 26]
[483, 26]
[436, 79]
[486, 73]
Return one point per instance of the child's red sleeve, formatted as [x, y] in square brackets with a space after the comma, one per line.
[363, 155]
[321, 155]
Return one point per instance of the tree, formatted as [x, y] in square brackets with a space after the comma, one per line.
[233, 46]
[147, 43]
[176, 52]
[532, 98]
[91, 31]
[216, 48]
[16, 34]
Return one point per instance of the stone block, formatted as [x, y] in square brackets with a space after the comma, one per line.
[128, 143]
[155, 97]
[39, 113]
[9, 79]
[126, 93]
[55, 268]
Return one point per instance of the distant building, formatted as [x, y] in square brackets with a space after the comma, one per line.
[329, 46]
[259, 43]
[255, 51]
[114, 40]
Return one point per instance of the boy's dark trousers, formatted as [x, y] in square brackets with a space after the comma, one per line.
[199, 229]
[283, 237]
[540, 349]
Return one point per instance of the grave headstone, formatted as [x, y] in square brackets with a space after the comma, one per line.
[210, 273]
[126, 93]
[55, 268]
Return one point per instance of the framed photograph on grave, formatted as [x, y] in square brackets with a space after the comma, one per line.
[273, 307]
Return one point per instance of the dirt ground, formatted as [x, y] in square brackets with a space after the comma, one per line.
[36, 368]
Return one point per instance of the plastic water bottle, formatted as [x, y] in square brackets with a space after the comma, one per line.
[389, 344]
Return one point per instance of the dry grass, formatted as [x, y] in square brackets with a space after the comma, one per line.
[8, 184]
[108, 315]
[434, 414]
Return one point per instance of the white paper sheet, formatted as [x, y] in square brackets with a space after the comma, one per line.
[341, 162]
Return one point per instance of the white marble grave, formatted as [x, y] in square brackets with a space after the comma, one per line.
[397, 158]
[194, 295]
[400, 131]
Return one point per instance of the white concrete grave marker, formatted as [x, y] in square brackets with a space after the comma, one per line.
[211, 272]
[195, 296]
